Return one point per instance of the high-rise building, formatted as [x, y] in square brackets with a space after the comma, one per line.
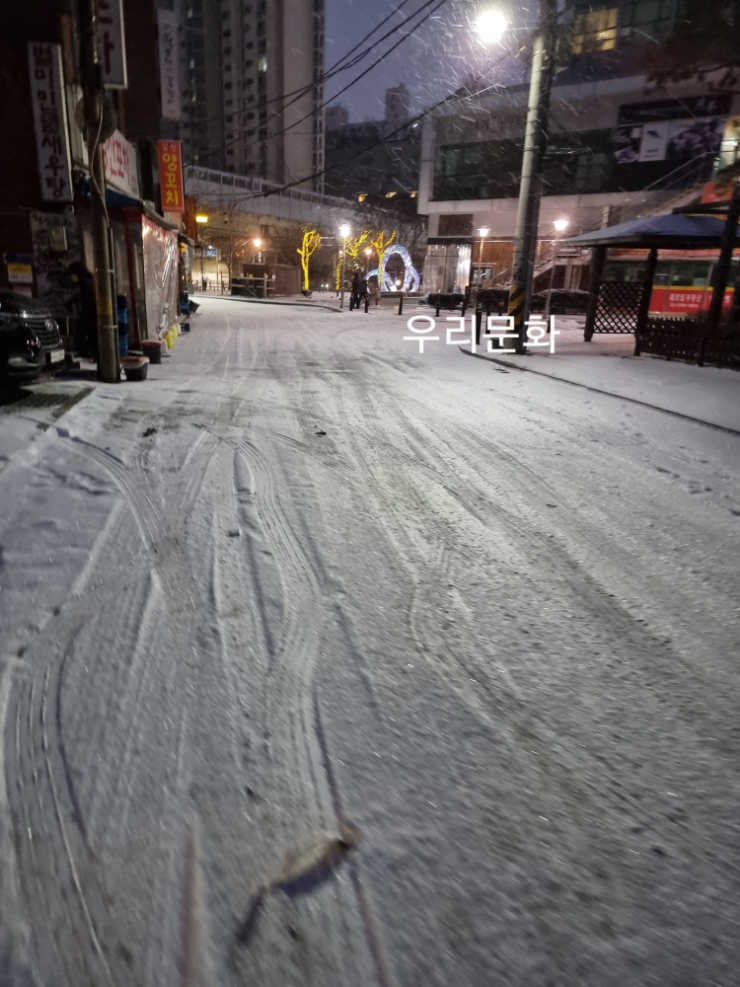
[252, 87]
[336, 117]
[396, 107]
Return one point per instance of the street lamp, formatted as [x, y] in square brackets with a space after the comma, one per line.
[368, 253]
[344, 232]
[201, 219]
[490, 26]
[482, 233]
[258, 244]
[560, 225]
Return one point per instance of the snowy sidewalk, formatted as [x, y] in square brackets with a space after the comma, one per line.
[706, 394]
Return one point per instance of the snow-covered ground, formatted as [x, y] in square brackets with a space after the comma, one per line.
[304, 574]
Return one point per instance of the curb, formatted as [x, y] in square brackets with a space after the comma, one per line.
[597, 390]
[270, 301]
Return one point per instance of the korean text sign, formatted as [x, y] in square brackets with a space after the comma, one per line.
[170, 176]
[49, 118]
[168, 67]
[111, 43]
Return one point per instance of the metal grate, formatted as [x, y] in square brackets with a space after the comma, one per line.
[617, 307]
[685, 339]
[47, 333]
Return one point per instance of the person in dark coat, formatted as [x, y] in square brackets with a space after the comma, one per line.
[355, 296]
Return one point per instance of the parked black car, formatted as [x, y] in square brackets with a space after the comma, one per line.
[30, 341]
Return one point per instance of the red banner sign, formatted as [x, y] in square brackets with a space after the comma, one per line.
[170, 176]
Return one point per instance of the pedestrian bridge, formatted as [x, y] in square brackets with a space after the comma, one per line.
[263, 198]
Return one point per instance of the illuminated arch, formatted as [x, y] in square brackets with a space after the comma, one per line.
[411, 279]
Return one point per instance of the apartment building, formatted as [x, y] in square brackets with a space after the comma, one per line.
[252, 87]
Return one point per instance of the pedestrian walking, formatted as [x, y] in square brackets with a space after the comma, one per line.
[354, 298]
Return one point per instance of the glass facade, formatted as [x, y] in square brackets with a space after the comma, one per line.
[603, 26]
[446, 268]
[585, 163]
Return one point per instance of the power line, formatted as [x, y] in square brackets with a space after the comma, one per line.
[409, 123]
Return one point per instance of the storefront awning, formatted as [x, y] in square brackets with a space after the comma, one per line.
[674, 231]
[115, 199]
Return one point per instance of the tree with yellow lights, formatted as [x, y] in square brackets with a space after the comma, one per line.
[381, 244]
[311, 242]
[352, 247]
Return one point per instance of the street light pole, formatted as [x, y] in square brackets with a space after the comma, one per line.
[560, 225]
[530, 189]
[108, 364]
[344, 232]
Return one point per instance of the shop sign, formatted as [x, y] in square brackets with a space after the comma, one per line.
[111, 43]
[120, 164]
[20, 268]
[169, 79]
[170, 176]
[670, 130]
[50, 232]
[50, 123]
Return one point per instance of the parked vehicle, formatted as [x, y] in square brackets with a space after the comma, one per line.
[30, 341]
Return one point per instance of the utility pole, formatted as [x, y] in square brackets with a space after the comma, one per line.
[108, 364]
[722, 270]
[530, 189]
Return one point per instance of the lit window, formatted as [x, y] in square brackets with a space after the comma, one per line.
[595, 30]
[262, 64]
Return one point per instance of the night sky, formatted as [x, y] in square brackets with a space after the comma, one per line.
[433, 62]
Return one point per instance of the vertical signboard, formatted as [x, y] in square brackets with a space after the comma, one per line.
[111, 43]
[120, 164]
[170, 176]
[50, 123]
[169, 78]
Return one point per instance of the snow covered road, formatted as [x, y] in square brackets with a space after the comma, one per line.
[306, 575]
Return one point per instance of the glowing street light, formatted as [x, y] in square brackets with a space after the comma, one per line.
[482, 233]
[201, 218]
[257, 242]
[560, 225]
[490, 26]
[368, 254]
[344, 232]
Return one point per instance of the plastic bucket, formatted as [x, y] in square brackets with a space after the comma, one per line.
[153, 349]
[135, 367]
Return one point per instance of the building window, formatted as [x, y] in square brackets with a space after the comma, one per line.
[646, 20]
[595, 30]
[262, 64]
